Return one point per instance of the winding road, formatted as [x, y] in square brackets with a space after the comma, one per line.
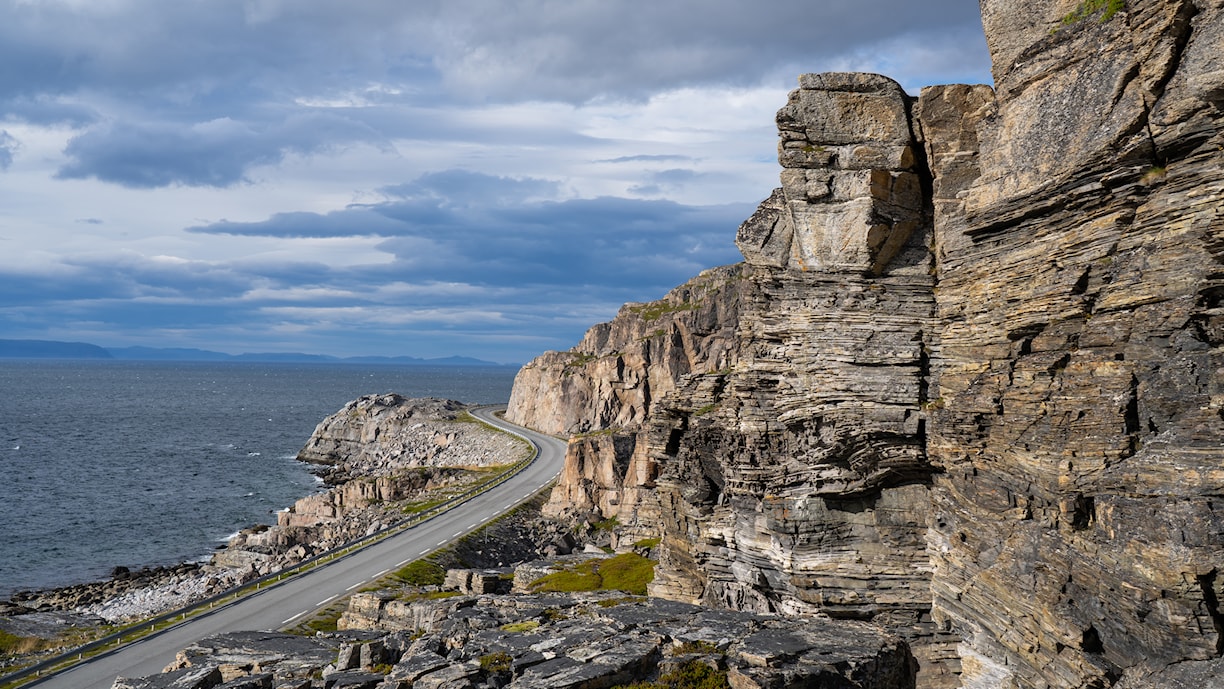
[286, 603]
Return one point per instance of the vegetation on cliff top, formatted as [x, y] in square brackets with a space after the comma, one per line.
[1087, 8]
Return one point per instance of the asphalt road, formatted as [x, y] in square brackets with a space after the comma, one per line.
[286, 603]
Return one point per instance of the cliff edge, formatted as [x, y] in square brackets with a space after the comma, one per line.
[968, 382]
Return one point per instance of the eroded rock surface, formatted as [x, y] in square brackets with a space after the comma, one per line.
[969, 381]
[562, 641]
[1074, 533]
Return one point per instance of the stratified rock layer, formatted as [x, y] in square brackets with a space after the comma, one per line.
[969, 382]
[780, 450]
[1074, 532]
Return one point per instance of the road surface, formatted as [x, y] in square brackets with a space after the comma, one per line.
[286, 603]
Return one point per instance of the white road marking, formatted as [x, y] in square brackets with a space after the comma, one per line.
[443, 541]
[483, 520]
[381, 573]
[354, 586]
[294, 617]
[404, 562]
[328, 600]
[424, 551]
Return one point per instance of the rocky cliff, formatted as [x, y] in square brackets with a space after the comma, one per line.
[968, 381]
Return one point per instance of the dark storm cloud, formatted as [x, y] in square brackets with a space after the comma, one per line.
[521, 50]
[216, 153]
[487, 230]
[159, 75]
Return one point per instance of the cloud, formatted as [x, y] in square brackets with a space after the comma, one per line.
[479, 49]
[8, 147]
[487, 177]
[647, 158]
[217, 153]
[483, 229]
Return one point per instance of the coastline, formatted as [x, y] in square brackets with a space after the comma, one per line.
[381, 458]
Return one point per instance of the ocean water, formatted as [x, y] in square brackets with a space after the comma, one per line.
[106, 463]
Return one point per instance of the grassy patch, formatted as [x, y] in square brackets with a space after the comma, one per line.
[658, 309]
[12, 644]
[647, 543]
[326, 620]
[628, 572]
[498, 661]
[520, 627]
[422, 505]
[705, 409]
[1087, 8]
[691, 675]
[420, 573]
[581, 359]
[702, 647]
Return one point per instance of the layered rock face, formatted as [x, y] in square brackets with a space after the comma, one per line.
[1074, 533]
[775, 436]
[971, 368]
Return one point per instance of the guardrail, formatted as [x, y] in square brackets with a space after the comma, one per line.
[150, 627]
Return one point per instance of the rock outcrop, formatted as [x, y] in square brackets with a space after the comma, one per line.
[556, 641]
[969, 381]
[1074, 535]
[383, 456]
[787, 473]
[378, 435]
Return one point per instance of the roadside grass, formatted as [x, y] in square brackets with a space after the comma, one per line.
[420, 573]
[627, 572]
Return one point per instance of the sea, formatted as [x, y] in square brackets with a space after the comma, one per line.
[135, 463]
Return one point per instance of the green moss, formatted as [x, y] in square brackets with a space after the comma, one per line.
[498, 661]
[520, 627]
[421, 573]
[326, 620]
[647, 543]
[581, 359]
[693, 674]
[1087, 8]
[658, 309]
[606, 524]
[705, 409]
[628, 572]
[603, 432]
[701, 647]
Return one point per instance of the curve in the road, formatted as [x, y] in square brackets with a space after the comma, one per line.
[287, 602]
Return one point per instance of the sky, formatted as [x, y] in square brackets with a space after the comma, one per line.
[484, 178]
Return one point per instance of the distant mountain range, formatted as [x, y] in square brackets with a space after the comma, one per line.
[48, 349]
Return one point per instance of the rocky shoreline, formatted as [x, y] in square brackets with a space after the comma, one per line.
[382, 458]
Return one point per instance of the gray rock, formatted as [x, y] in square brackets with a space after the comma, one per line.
[260, 681]
[186, 678]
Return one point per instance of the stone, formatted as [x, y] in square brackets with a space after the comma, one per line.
[260, 681]
[242, 653]
[186, 678]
